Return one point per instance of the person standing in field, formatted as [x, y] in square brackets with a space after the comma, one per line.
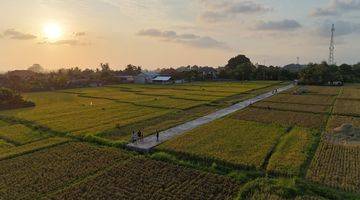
[139, 135]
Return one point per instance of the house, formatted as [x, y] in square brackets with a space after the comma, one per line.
[335, 83]
[145, 77]
[208, 72]
[125, 79]
[163, 79]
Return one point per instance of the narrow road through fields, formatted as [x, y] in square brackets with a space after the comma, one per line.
[150, 142]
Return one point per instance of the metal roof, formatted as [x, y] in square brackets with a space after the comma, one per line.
[162, 78]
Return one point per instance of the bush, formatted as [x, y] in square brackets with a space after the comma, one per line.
[10, 99]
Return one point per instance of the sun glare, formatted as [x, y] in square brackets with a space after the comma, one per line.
[52, 31]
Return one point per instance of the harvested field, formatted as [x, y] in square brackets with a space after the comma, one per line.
[19, 134]
[149, 179]
[350, 93]
[33, 175]
[285, 118]
[347, 107]
[317, 90]
[302, 99]
[293, 107]
[229, 140]
[336, 166]
[338, 120]
[291, 152]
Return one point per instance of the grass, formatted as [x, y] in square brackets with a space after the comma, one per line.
[19, 134]
[284, 118]
[229, 140]
[291, 152]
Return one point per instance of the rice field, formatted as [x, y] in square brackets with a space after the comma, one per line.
[306, 99]
[338, 120]
[293, 107]
[229, 140]
[19, 134]
[284, 118]
[93, 111]
[336, 166]
[291, 152]
[347, 107]
[148, 179]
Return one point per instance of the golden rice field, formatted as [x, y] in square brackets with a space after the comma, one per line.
[307, 99]
[285, 118]
[336, 166]
[347, 107]
[233, 141]
[91, 111]
[291, 152]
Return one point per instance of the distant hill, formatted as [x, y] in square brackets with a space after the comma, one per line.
[294, 67]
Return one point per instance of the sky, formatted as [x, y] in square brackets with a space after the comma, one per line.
[168, 33]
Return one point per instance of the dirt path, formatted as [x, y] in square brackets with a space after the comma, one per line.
[150, 142]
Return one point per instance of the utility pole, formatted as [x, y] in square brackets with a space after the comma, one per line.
[297, 60]
[332, 47]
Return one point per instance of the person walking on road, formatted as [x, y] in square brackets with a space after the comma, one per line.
[157, 136]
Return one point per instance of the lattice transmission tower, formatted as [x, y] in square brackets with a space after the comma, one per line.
[332, 47]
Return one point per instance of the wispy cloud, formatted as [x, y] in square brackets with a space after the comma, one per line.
[342, 28]
[336, 7]
[70, 42]
[283, 25]
[17, 35]
[79, 34]
[187, 39]
[224, 10]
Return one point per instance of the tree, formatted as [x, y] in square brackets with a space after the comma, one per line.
[36, 68]
[132, 70]
[10, 99]
[236, 61]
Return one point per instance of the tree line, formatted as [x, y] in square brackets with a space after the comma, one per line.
[237, 68]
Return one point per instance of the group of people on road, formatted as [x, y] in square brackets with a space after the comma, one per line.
[139, 136]
[275, 91]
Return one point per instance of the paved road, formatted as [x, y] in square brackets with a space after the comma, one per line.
[150, 142]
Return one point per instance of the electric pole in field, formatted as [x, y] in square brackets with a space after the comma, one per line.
[332, 47]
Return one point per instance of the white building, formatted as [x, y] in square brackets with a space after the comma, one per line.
[145, 77]
[163, 79]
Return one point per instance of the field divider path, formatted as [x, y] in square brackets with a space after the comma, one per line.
[149, 142]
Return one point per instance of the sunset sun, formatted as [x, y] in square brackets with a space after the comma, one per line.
[52, 31]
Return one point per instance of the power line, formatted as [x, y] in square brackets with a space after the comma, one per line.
[332, 47]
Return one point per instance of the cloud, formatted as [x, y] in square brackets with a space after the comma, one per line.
[187, 39]
[79, 34]
[342, 28]
[17, 35]
[224, 10]
[283, 25]
[70, 42]
[319, 12]
[336, 7]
